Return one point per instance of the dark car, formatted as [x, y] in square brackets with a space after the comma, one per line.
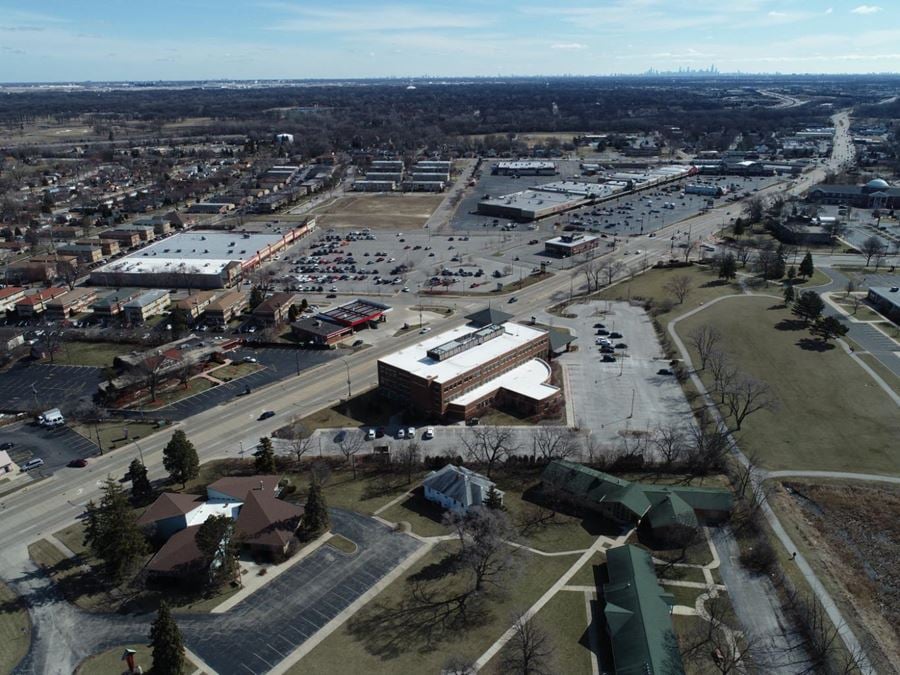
[77, 463]
[615, 335]
[608, 358]
[266, 415]
[512, 300]
[605, 349]
[602, 331]
[621, 345]
[379, 432]
[472, 422]
[599, 325]
[664, 371]
[7, 445]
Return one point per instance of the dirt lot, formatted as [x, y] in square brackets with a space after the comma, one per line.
[379, 211]
[851, 536]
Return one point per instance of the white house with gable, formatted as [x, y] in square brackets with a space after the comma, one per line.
[457, 488]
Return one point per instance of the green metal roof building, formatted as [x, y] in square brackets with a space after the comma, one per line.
[637, 613]
[663, 506]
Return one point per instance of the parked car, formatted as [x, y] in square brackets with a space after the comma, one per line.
[664, 371]
[78, 463]
[370, 435]
[401, 433]
[615, 336]
[411, 432]
[249, 359]
[608, 358]
[266, 415]
[602, 332]
[32, 464]
[472, 422]
[621, 345]
[429, 433]
[7, 445]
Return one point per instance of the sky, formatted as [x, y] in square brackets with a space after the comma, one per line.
[80, 40]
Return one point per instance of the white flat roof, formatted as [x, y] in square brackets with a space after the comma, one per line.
[138, 265]
[529, 380]
[575, 242]
[527, 165]
[415, 360]
[214, 507]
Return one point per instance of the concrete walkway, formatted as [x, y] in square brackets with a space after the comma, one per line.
[834, 614]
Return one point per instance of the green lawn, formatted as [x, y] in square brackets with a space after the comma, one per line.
[179, 392]
[565, 621]
[684, 595]
[342, 544]
[73, 538]
[74, 580]
[395, 633]
[863, 312]
[883, 371]
[830, 415]
[110, 662]
[681, 573]
[587, 573]
[235, 371]
[112, 434]
[368, 408]
[424, 517]
[100, 354]
[15, 629]
[650, 285]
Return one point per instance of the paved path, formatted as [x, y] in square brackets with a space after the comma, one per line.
[834, 614]
[252, 637]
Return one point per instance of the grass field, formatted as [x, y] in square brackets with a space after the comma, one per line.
[235, 370]
[683, 595]
[112, 434]
[819, 424]
[862, 313]
[98, 354]
[110, 662]
[15, 629]
[396, 633]
[379, 211]
[885, 373]
[565, 621]
[831, 524]
[705, 286]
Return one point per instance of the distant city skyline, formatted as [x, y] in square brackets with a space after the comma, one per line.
[203, 39]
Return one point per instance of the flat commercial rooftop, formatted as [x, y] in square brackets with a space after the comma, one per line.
[570, 241]
[528, 380]
[415, 359]
[578, 188]
[534, 198]
[198, 251]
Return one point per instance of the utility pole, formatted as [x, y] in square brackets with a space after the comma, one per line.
[631, 414]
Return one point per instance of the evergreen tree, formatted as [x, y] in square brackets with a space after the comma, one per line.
[141, 490]
[828, 328]
[111, 532]
[315, 516]
[180, 458]
[215, 539]
[727, 267]
[256, 297]
[806, 266]
[739, 227]
[789, 294]
[809, 306]
[167, 644]
[293, 313]
[493, 500]
[265, 456]
[178, 320]
[791, 273]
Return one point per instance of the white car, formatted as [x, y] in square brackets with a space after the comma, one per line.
[429, 433]
[401, 434]
[370, 434]
[411, 432]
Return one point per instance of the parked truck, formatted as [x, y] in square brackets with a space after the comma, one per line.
[51, 418]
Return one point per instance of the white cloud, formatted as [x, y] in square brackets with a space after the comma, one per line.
[568, 45]
[865, 9]
[389, 18]
[777, 14]
[829, 10]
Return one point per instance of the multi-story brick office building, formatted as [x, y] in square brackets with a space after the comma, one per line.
[456, 374]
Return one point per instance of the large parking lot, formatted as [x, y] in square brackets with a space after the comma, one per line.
[30, 386]
[625, 394]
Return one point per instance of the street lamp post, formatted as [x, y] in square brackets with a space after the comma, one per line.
[347, 366]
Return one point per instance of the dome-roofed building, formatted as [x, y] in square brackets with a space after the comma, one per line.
[876, 194]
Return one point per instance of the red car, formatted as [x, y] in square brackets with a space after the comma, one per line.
[78, 463]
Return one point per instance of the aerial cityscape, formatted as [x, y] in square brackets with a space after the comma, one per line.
[359, 339]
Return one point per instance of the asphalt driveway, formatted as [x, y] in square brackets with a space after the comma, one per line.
[57, 447]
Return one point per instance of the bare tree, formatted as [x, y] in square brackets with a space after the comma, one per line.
[745, 396]
[871, 247]
[705, 339]
[722, 370]
[301, 442]
[483, 535]
[551, 443]
[689, 247]
[851, 286]
[489, 445]
[350, 444]
[742, 251]
[610, 269]
[680, 287]
[529, 650]
[670, 442]
[408, 457]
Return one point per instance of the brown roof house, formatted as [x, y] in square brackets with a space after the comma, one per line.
[263, 522]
